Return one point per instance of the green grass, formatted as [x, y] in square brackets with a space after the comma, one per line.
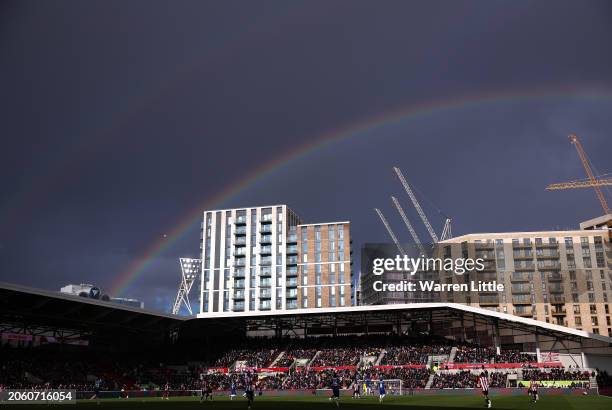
[552, 402]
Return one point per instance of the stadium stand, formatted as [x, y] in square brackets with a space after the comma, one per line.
[51, 340]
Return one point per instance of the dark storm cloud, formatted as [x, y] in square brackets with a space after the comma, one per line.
[120, 117]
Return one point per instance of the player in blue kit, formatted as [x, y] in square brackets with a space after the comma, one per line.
[233, 390]
[381, 389]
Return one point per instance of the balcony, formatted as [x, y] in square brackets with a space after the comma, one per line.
[240, 252]
[521, 245]
[488, 300]
[523, 311]
[292, 271]
[265, 250]
[555, 277]
[524, 266]
[554, 245]
[240, 220]
[521, 288]
[292, 260]
[240, 241]
[240, 262]
[292, 238]
[521, 300]
[265, 294]
[292, 294]
[239, 284]
[556, 288]
[239, 273]
[292, 250]
[523, 255]
[265, 239]
[240, 231]
[239, 294]
[558, 311]
[265, 261]
[557, 299]
[266, 219]
[484, 246]
[266, 229]
[292, 283]
[520, 277]
[549, 255]
[549, 266]
[489, 266]
[265, 272]
[265, 283]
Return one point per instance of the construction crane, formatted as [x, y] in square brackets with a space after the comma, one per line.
[390, 231]
[190, 272]
[416, 204]
[446, 230]
[413, 233]
[592, 181]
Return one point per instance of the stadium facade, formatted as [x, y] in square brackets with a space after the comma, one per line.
[264, 259]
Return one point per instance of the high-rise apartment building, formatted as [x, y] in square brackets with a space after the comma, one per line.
[324, 253]
[559, 277]
[263, 258]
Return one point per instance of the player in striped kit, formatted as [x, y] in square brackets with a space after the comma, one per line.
[483, 380]
[533, 390]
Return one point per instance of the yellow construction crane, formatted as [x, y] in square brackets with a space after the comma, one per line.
[591, 182]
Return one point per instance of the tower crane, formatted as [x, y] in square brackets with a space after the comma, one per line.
[592, 182]
[390, 231]
[413, 233]
[446, 230]
[416, 204]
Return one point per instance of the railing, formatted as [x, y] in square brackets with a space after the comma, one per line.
[557, 299]
[523, 311]
[292, 260]
[521, 299]
[240, 230]
[520, 277]
[292, 238]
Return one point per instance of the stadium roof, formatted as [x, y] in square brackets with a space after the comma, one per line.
[36, 307]
[375, 315]
[26, 306]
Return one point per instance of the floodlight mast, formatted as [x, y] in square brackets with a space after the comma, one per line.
[190, 269]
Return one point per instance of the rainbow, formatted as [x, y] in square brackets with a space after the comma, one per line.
[139, 265]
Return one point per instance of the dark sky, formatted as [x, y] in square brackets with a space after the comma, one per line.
[118, 118]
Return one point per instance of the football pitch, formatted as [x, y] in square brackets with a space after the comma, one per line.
[552, 402]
